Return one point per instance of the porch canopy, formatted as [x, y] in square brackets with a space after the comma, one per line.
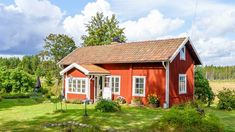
[87, 69]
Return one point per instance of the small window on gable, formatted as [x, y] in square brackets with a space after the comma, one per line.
[182, 53]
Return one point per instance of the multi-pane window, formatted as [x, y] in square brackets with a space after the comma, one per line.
[77, 85]
[114, 83]
[182, 84]
[138, 86]
[182, 53]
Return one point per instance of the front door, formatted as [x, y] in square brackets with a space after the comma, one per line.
[99, 84]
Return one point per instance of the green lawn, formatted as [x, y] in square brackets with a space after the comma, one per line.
[28, 115]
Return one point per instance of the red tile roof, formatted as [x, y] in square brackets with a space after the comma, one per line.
[131, 52]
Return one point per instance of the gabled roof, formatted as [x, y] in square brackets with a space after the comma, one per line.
[87, 69]
[131, 52]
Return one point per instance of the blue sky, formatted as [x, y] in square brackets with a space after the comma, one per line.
[210, 23]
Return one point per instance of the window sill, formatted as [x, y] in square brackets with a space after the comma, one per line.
[138, 95]
[76, 93]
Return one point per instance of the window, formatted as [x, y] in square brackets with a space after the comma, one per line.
[182, 53]
[77, 85]
[182, 84]
[114, 83]
[138, 86]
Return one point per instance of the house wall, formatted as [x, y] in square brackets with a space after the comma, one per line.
[155, 79]
[76, 73]
[181, 67]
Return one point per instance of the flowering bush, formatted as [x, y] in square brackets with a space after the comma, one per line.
[153, 99]
[121, 100]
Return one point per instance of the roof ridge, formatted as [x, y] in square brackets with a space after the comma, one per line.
[131, 42]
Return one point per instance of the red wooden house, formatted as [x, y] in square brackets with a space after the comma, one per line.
[131, 70]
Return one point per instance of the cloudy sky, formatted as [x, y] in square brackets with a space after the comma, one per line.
[210, 23]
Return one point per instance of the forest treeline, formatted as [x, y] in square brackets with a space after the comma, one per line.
[219, 72]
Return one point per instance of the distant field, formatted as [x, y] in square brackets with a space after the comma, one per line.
[221, 84]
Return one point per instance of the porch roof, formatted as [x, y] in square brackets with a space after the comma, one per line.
[87, 69]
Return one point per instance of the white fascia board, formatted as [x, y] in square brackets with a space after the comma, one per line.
[74, 65]
[195, 50]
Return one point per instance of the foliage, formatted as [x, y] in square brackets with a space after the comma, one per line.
[16, 81]
[57, 46]
[10, 63]
[102, 30]
[226, 99]
[16, 95]
[120, 100]
[203, 90]
[219, 72]
[0, 98]
[30, 64]
[105, 105]
[153, 99]
[187, 118]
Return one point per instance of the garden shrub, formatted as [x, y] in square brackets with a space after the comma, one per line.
[226, 99]
[153, 99]
[187, 118]
[120, 100]
[203, 90]
[16, 81]
[0, 98]
[105, 105]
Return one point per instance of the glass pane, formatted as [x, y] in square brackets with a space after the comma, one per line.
[116, 84]
[136, 85]
[83, 90]
[141, 80]
[116, 89]
[116, 79]
[74, 85]
[141, 91]
[137, 80]
[137, 91]
[141, 85]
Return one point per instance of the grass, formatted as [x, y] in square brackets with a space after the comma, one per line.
[28, 115]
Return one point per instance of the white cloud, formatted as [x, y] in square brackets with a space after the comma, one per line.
[25, 24]
[154, 25]
[75, 25]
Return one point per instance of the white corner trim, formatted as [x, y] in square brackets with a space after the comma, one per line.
[74, 65]
[178, 50]
[133, 86]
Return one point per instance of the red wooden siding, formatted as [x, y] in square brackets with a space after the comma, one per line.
[75, 73]
[155, 78]
[181, 67]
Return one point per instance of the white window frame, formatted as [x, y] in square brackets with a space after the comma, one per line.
[183, 53]
[183, 90]
[110, 84]
[134, 84]
[77, 78]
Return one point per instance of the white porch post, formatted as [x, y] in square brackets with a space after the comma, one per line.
[65, 86]
[88, 88]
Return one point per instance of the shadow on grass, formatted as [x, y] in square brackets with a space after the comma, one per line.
[128, 119]
[9, 103]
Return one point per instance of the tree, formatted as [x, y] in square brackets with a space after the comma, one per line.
[203, 90]
[102, 30]
[57, 46]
